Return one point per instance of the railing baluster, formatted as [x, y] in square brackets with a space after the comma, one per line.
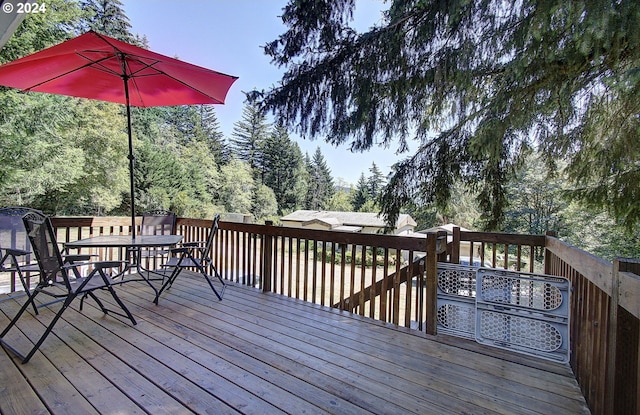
[408, 303]
[343, 265]
[383, 289]
[372, 293]
[363, 279]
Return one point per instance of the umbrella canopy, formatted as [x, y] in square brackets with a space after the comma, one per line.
[99, 67]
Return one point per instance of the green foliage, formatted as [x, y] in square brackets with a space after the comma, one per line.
[106, 17]
[248, 135]
[476, 84]
[283, 169]
[49, 152]
[375, 183]
[341, 201]
[321, 187]
[238, 186]
[41, 30]
[265, 204]
[597, 232]
[536, 202]
[361, 193]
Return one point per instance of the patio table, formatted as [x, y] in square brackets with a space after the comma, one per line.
[135, 244]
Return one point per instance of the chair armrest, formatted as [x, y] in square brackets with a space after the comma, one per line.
[16, 252]
[78, 257]
[180, 250]
[193, 244]
[96, 265]
[107, 264]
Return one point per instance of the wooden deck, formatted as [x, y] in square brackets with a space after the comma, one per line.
[256, 353]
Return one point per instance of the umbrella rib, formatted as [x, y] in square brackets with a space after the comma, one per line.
[183, 83]
[115, 48]
[133, 75]
[122, 57]
[88, 64]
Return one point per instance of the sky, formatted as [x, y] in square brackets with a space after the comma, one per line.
[227, 36]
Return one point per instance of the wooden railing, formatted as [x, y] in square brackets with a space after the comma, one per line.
[605, 323]
[362, 273]
[604, 310]
[379, 276]
[393, 279]
[499, 250]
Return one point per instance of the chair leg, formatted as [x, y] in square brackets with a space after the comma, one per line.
[15, 319]
[20, 312]
[96, 299]
[25, 283]
[109, 287]
[122, 306]
[167, 284]
[66, 303]
[206, 277]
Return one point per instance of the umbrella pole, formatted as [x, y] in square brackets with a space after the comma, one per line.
[132, 159]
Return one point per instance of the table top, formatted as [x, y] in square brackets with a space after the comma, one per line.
[125, 241]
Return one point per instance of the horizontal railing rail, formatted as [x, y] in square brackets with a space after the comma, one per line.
[499, 250]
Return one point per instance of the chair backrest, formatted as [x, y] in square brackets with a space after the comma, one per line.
[158, 222]
[45, 247]
[212, 234]
[12, 232]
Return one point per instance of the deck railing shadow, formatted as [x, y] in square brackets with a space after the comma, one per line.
[393, 279]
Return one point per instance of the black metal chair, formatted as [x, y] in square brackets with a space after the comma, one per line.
[156, 222]
[197, 256]
[17, 255]
[15, 247]
[61, 280]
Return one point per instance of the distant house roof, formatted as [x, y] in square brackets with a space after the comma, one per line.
[345, 219]
[329, 222]
[447, 228]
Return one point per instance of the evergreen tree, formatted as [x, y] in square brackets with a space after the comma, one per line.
[476, 84]
[248, 135]
[536, 200]
[159, 177]
[186, 121]
[361, 194]
[321, 187]
[214, 138]
[107, 17]
[375, 183]
[282, 168]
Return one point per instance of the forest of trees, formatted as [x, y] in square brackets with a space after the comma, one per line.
[67, 156]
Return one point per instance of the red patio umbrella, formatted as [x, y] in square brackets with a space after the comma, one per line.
[99, 67]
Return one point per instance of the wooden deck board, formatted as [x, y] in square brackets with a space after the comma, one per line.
[256, 353]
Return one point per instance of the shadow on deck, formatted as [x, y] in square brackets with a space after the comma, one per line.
[257, 353]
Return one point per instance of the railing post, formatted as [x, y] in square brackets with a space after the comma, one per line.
[431, 266]
[267, 260]
[612, 336]
[455, 246]
[441, 246]
[547, 263]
